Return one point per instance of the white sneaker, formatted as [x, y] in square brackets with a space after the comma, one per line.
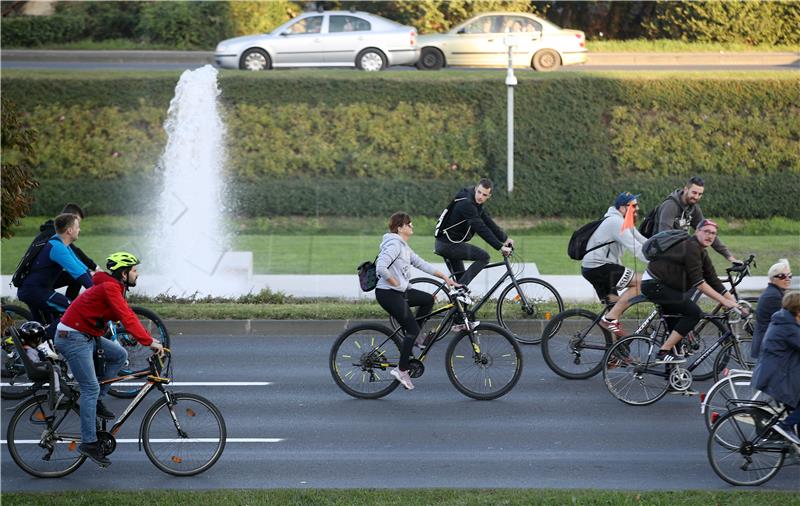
[463, 326]
[787, 433]
[403, 378]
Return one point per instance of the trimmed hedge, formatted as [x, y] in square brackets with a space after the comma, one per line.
[340, 145]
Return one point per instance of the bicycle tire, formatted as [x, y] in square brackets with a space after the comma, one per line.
[631, 377]
[527, 325]
[13, 370]
[742, 450]
[138, 354]
[471, 374]
[438, 290]
[577, 348]
[729, 358]
[368, 378]
[32, 425]
[173, 448]
[715, 401]
[709, 333]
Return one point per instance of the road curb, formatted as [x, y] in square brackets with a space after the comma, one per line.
[262, 327]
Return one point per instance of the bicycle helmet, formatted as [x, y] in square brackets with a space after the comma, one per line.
[32, 333]
[121, 260]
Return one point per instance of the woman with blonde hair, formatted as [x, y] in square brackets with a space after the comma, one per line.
[780, 277]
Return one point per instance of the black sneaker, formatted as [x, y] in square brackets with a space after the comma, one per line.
[103, 412]
[92, 450]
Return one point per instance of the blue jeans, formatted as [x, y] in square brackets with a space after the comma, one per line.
[78, 349]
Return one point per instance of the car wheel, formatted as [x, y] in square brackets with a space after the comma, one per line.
[546, 60]
[255, 59]
[370, 60]
[431, 59]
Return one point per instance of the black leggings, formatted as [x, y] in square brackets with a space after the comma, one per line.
[673, 302]
[399, 304]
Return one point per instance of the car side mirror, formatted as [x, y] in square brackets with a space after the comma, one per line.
[463, 30]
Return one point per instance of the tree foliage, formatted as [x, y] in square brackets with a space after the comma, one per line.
[19, 157]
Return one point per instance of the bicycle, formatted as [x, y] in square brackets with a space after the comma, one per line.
[631, 374]
[521, 307]
[182, 434]
[733, 387]
[16, 384]
[742, 447]
[483, 363]
[574, 344]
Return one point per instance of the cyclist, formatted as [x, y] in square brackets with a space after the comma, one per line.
[681, 210]
[461, 221]
[393, 267]
[603, 267]
[780, 278]
[668, 280]
[778, 371]
[56, 256]
[78, 333]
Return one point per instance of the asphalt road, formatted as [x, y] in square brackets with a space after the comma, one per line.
[547, 432]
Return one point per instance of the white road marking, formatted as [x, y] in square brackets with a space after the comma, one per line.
[197, 440]
[182, 384]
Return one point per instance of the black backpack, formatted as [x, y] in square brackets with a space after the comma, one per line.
[658, 246]
[24, 266]
[576, 249]
[648, 225]
[440, 229]
[368, 274]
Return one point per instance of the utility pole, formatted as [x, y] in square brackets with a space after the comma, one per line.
[511, 81]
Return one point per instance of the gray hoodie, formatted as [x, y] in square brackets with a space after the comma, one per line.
[610, 230]
[395, 260]
[674, 214]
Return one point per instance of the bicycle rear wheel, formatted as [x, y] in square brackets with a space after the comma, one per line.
[743, 449]
[577, 348]
[629, 372]
[43, 442]
[361, 358]
[526, 312]
[13, 374]
[491, 370]
[185, 436]
[138, 354]
[715, 402]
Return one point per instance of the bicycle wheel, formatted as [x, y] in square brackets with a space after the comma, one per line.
[705, 334]
[13, 374]
[185, 436]
[629, 372]
[438, 291]
[715, 402]
[729, 358]
[361, 358]
[43, 442]
[577, 348]
[526, 312]
[743, 449]
[138, 354]
[491, 370]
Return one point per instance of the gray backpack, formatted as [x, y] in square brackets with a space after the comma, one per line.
[657, 246]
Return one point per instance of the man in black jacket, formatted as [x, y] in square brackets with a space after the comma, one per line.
[466, 218]
[46, 231]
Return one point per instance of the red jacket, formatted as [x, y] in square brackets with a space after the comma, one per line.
[103, 302]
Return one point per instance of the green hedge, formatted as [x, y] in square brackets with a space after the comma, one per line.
[33, 31]
[334, 144]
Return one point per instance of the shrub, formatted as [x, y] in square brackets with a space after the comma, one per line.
[33, 31]
[260, 17]
[185, 25]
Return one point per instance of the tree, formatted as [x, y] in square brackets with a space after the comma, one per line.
[19, 157]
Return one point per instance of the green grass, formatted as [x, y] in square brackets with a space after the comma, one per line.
[680, 46]
[412, 497]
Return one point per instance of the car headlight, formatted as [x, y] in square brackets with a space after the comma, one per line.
[222, 47]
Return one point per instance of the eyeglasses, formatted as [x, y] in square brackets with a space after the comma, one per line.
[783, 276]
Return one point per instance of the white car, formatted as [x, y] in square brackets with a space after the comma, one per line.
[324, 39]
[481, 41]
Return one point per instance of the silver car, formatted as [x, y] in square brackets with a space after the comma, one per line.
[481, 42]
[324, 39]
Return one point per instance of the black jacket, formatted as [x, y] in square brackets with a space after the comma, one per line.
[684, 266]
[468, 218]
[48, 229]
[768, 303]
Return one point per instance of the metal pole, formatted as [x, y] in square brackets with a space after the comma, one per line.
[511, 81]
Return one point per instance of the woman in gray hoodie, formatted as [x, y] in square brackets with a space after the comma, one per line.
[393, 267]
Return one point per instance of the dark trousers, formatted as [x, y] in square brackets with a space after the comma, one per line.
[399, 304]
[793, 418]
[457, 253]
[73, 285]
[673, 302]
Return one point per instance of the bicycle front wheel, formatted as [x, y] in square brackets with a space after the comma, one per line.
[577, 348]
[526, 312]
[138, 354]
[704, 335]
[629, 372]
[184, 436]
[487, 367]
[736, 386]
[743, 449]
[731, 358]
[44, 442]
[361, 358]
[14, 377]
